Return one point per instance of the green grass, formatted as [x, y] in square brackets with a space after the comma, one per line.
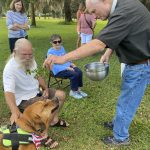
[85, 116]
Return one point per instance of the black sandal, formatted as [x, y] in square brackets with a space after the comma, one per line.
[60, 123]
[49, 142]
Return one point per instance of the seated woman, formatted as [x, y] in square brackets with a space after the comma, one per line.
[66, 70]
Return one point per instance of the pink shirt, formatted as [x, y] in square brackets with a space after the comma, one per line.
[84, 27]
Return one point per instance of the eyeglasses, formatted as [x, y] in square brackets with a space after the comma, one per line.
[55, 42]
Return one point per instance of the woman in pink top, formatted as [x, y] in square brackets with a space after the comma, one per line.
[86, 26]
[80, 11]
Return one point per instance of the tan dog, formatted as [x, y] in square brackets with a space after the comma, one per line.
[35, 119]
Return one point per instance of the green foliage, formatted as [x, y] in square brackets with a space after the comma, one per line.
[74, 7]
[84, 116]
[46, 9]
[146, 3]
[38, 72]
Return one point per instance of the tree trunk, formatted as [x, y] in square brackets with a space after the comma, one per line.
[67, 10]
[33, 22]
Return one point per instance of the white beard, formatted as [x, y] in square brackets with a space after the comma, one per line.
[25, 64]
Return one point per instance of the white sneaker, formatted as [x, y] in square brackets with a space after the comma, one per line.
[75, 94]
[83, 94]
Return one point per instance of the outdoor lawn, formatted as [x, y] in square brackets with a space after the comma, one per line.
[85, 116]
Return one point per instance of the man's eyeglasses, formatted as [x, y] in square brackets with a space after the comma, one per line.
[55, 42]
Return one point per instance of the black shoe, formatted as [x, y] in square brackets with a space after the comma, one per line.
[108, 125]
[112, 141]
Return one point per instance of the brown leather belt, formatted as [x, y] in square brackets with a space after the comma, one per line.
[147, 61]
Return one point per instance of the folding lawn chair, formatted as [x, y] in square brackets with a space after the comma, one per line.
[56, 81]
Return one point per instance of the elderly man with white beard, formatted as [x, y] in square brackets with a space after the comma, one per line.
[22, 86]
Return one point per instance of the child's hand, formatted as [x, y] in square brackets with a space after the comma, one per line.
[73, 65]
[70, 68]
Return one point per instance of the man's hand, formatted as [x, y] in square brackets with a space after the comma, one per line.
[104, 59]
[51, 59]
[106, 56]
[15, 115]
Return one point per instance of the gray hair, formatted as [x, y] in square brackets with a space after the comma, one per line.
[55, 36]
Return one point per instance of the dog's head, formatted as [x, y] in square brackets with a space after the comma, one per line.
[36, 117]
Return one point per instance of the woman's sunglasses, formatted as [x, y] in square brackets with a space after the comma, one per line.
[55, 42]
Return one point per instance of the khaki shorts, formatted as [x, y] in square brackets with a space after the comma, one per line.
[39, 97]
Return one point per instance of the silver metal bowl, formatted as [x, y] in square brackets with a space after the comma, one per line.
[96, 71]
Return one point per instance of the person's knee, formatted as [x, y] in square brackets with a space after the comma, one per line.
[60, 95]
[75, 75]
[80, 72]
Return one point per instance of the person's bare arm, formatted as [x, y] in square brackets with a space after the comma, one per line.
[42, 82]
[11, 102]
[16, 26]
[106, 56]
[78, 28]
[88, 49]
[24, 26]
[78, 15]
[43, 85]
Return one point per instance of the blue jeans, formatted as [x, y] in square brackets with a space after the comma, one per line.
[74, 76]
[135, 79]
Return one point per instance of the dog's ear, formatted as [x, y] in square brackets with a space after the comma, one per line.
[31, 126]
